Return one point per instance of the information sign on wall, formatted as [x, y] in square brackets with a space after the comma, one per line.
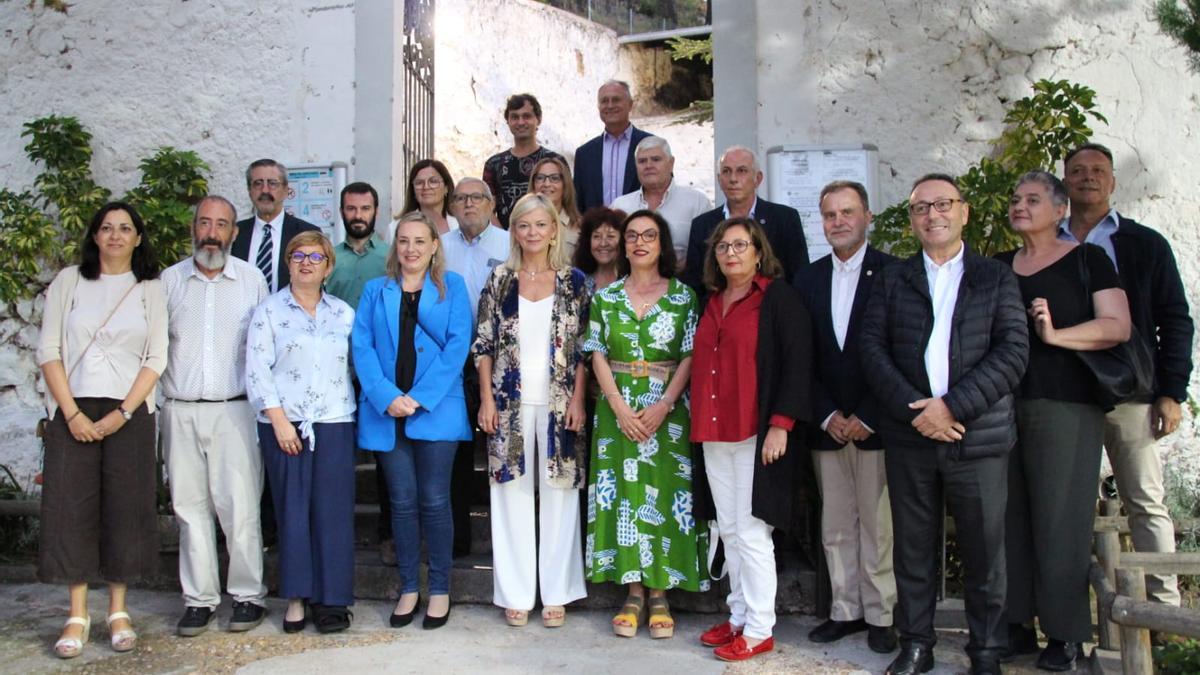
[313, 192]
[796, 174]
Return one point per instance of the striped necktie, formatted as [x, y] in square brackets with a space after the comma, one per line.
[266, 252]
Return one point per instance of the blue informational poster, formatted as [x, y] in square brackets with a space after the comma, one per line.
[313, 196]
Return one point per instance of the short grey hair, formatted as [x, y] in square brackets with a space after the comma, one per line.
[652, 142]
[259, 163]
[472, 179]
[620, 83]
[215, 198]
[735, 148]
[1052, 183]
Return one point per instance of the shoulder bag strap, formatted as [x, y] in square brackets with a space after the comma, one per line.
[102, 325]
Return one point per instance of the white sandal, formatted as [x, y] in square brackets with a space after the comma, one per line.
[69, 648]
[125, 639]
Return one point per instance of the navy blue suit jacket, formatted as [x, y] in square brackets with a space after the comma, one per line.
[292, 226]
[839, 382]
[589, 171]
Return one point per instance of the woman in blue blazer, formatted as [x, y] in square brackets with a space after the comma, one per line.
[411, 337]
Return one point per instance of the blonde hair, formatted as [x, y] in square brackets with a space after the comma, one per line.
[557, 255]
[569, 208]
[310, 238]
[437, 264]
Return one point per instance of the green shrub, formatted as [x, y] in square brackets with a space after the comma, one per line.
[1177, 658]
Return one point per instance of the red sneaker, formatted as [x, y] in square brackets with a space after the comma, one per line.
[720, 635]
[738, 651]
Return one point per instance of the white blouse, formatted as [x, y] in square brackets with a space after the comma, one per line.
[300, 363]
[534, 339]
[109, 366]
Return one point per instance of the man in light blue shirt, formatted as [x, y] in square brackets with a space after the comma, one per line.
[476, 246]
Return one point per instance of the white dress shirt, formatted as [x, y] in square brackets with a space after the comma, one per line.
[276, 242]
[208, 320]
[944, 281]
[301, 363]
[843, 288]
[680, 205]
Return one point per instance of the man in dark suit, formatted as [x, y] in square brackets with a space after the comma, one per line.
[740, 177]
[945, 343]
[604, 166]
[856, 523]
[263, 238]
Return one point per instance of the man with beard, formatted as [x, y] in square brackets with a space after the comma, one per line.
[263, 239]
[507, 173]
[361, 258]
[209, 444]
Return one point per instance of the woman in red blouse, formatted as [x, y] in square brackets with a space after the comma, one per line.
[750, 388]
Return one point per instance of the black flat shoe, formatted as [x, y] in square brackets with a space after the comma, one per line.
[832, 631]
[1059, 656]
[332, 619]
[296, 626]
[914, 658]
[432, 622]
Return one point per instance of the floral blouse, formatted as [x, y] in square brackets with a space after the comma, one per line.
[497, 336]
[299, 362]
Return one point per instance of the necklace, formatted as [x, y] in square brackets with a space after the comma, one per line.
[533, 273]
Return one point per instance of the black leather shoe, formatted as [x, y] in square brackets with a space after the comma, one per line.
[1021, 640]
[981, 665]
[914, 658]
[431, 622]
[332, 618]
[195, 621]
[881, 639]
[246, 616]
[832, 631]
[1059, 656]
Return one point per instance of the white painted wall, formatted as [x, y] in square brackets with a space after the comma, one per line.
[927, 83]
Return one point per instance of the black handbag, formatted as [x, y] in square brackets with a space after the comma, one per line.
[1123, 372]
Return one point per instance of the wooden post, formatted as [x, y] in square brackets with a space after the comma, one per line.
[1135, 642]
[1108, 551]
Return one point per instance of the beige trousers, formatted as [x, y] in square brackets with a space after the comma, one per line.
[1133, 454]
[856, 533]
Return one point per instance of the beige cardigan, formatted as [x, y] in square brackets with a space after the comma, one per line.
[52, 344]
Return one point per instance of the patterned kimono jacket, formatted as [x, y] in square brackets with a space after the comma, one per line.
[497, 336]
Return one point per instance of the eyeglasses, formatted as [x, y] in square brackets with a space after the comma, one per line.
[473, 197]
[431, 183]
[272, 183]
[554, 178]
[316, 257]
[649, 236]
[739, 246]
[939, 205]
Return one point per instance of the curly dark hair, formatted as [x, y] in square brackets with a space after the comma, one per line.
[666, 257]
[592, 221]
[145, 263]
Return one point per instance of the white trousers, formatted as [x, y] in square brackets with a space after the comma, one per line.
[749, 551]
[214, 467]
[520, 561]
[1133, 454]
[856, 533]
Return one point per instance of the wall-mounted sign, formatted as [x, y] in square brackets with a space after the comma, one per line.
[313, 192]
[796, 174]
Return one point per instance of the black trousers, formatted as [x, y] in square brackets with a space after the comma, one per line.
[462, 474]
[975, 492]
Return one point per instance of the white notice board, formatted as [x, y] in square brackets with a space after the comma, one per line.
[313, 193]
[796, 174]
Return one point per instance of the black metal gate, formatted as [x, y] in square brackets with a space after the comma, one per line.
[418, 81]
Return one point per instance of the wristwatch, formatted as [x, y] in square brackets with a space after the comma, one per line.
[125, 413]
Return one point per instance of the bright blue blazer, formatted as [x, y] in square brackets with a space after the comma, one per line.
[442, 339]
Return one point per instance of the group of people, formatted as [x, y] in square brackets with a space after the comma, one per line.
[645, 369]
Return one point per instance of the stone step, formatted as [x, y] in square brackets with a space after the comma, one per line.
[366, 527]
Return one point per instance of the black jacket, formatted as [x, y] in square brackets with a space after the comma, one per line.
[989, 349]
[780, 223]
[839, 382]
[292, 226]
[589, 171]
[783, 371]
[1157, 303]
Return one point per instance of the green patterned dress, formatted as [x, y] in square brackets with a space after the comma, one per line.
[640, 524]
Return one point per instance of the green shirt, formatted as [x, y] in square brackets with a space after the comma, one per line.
[353, 269]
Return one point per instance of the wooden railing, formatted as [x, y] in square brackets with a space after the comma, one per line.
[1124, 616]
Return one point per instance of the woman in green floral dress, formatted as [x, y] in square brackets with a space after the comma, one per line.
[641, 532]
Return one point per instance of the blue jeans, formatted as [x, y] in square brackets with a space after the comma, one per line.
[418, 480]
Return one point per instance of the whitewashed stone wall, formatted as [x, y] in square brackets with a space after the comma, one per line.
[927, 82]
[233, 81]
